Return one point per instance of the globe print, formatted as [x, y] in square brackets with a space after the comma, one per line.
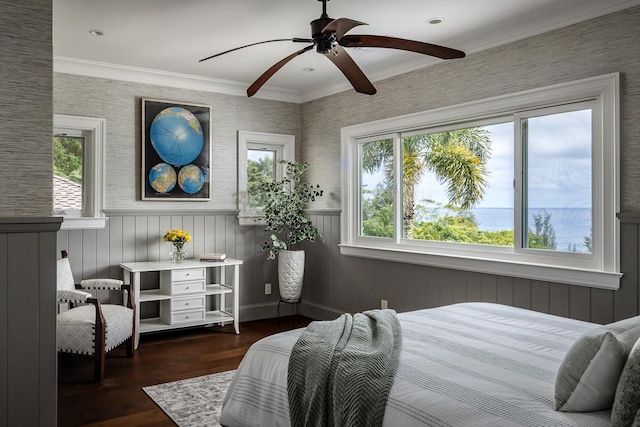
[177, 136]
[162, 178]
[191, 179]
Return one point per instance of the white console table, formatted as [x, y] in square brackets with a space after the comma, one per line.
[183, 292]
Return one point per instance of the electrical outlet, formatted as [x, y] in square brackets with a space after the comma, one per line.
[267, 288]
[384, 304]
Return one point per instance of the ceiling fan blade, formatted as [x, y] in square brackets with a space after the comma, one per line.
[341, 26]
[295, 40]
[362, 40]
[271, 71]
[351, 71]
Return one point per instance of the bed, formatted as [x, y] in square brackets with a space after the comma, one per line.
[469, 364]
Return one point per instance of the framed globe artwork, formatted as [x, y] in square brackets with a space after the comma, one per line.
[176, 151]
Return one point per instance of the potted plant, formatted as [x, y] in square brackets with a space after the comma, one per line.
[283, 214]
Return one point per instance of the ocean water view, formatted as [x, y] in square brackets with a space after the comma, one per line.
[571, 225]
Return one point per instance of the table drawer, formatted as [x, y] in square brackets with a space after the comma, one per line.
[188, 274]
[178, 304]
[182, 288]
[185, 316]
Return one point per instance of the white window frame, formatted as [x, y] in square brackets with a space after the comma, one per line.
[285, 148]
[94, 130]
[601, 270]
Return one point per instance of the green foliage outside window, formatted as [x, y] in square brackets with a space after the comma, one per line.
[457, 226]
[259, 172]
[67, 157]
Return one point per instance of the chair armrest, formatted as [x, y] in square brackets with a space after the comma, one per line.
[72, 296]
[110, 284]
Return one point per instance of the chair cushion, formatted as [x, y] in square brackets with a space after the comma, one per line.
[76, 328]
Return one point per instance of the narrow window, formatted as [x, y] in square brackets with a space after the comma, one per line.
[78, 171]
[258, 156]
[261, 168]
[557, 179]
[376, 188]
[68, 173]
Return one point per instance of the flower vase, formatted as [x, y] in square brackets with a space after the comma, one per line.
[177, 254]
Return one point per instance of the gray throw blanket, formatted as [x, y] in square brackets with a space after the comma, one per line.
[341, 371]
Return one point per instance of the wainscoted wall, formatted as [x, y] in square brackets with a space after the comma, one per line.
[335, 283]
[353, 284]
[28, 380]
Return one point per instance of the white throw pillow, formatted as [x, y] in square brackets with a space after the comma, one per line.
[589, 374]
[626, 407]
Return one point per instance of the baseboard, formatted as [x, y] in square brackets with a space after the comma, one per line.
[270, 311]
[258, 311]
[319, 312]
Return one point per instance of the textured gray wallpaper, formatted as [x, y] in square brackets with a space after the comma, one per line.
[25, 108]
[120, 104]
[599, 46]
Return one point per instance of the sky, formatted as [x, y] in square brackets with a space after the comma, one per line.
[559, 159]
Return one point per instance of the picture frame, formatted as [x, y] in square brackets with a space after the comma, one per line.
[176, 151]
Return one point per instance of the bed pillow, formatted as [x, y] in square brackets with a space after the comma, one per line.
[590, 371]
[626, 407]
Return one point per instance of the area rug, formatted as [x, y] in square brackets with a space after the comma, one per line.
[194, 402]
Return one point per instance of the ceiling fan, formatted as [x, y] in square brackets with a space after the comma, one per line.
[328, 37]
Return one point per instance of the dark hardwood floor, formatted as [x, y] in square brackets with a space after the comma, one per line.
[162, 357]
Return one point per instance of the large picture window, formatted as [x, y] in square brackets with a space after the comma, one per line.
[524, 185]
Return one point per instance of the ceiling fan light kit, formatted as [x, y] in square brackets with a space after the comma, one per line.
[328, 37]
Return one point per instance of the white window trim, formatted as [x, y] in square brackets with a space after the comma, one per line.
[284, 145]
[606, 274]
[92, 216]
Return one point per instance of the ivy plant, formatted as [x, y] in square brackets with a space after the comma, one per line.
[283, 211]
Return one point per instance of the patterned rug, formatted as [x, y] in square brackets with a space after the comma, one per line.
[194, 402]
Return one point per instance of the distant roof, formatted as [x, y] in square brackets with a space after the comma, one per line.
[66, 194]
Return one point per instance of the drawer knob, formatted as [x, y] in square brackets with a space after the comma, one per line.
[188, 287]
[187, 317]
[187, 304]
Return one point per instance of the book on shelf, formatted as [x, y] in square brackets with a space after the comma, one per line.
[213, 257]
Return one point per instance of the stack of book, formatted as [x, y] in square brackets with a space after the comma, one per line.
[213, 257]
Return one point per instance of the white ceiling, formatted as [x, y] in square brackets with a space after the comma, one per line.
[161, 41]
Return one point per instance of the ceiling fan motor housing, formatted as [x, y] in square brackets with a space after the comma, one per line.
[324, 42]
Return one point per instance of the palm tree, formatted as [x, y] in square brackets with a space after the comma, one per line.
[458, 158]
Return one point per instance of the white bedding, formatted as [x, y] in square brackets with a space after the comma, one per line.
[471, 364]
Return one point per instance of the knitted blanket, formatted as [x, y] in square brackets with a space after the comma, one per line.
[340, 371]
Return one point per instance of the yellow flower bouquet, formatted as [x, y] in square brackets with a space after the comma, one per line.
[178, 238]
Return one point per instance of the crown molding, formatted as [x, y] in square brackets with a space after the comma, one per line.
[66, 65]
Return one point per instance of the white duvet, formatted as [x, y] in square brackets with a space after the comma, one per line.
[470, 364]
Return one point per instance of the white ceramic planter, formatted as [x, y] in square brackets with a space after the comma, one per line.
[290, 274]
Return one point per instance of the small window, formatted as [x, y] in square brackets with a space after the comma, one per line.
[68, 172]
[258, 156]
[78, 144]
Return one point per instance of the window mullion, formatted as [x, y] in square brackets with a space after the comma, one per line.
[398, 154]
[519, 220]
